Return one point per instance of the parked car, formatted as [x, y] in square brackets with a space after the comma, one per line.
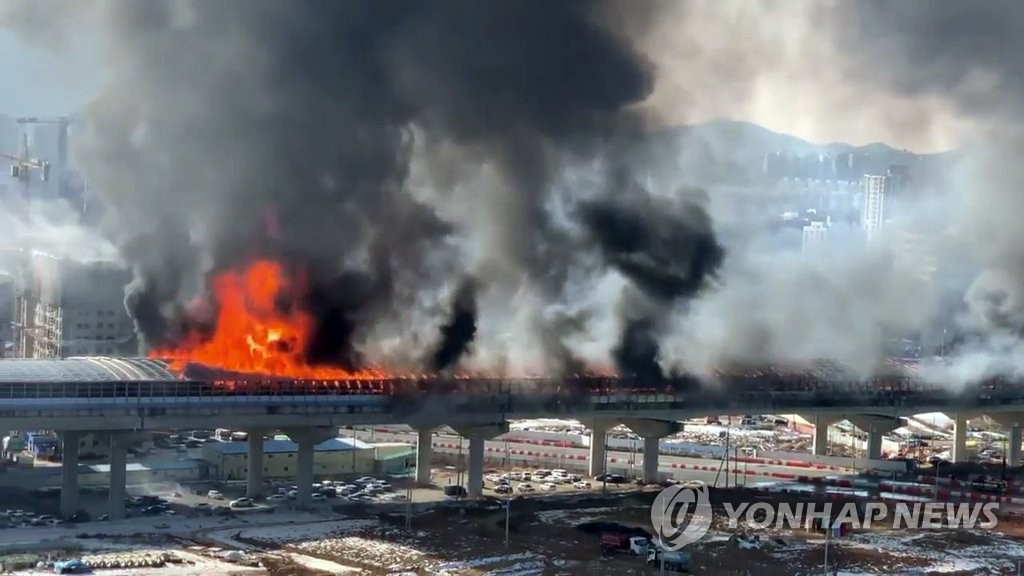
[80, 516]
[277, 498]
[241, 503]
[455, 491]
[549, 487]
[214, 495]
[526, 487]
[582, 485]
[318, 497]
[502, 489]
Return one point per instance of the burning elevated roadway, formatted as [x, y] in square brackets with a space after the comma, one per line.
[151, 392]
[120, 396]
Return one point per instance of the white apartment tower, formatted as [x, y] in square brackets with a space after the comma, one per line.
[815, 239]
[872, 212]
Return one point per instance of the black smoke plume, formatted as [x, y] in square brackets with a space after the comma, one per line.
[214, 111]
[457, 335]
[667, 249]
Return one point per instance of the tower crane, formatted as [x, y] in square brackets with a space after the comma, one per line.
[62, 123]
[22, 166]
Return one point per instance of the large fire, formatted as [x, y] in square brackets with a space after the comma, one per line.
[253, 333]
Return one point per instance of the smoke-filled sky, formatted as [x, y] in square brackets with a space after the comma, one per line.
[471, 182]
[784, 69]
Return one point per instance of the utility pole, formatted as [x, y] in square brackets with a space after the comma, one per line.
[728, 441]
[604, 469]
[828, 539]
[508, 519]
[458, 473]
[408, 508]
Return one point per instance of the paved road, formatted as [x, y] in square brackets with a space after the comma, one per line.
[534, 456]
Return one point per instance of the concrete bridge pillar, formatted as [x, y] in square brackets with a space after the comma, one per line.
[875, 426]
[821, 424]
[254, 473]
[1014, 423]
[307, 439]
[959, 453]
[1013, 447]
[874, 448]
[424, 454]
[69, 472]
[119, 442]
[477, 436]
[598, 439]
[652, 432]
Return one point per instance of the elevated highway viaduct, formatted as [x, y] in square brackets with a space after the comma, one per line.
[120, 397]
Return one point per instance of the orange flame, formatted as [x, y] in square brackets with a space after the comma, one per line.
[252, 334]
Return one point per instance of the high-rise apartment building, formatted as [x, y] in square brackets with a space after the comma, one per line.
[815, 239]
[872, 204]
[918, 253]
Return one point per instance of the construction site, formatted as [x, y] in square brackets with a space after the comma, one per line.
[64, 308]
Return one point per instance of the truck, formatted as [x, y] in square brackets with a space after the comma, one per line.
[676, 562]
[637, 545]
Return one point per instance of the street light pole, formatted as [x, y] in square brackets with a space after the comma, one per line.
[458, 473]
[508, 518]
[604, 469]
[828, 538]
[408, 508]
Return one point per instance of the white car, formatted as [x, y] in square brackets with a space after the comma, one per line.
[277, 497]
[214, 495]
[526, 487]
[241, 503]
[582, 485]
[549, 486]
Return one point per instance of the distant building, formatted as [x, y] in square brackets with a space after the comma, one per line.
[9, 136]
[6, 315]
[334, 457]
[917, 253]
[898, 179]
[872, 204]
[65, 308]
[815, 239]
[45, 144]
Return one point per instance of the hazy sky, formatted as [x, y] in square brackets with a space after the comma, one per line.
[38, 82]
[784, 97]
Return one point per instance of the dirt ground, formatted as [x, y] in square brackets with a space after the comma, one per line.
[544, 540]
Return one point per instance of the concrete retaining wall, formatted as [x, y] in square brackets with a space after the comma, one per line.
[810, 460]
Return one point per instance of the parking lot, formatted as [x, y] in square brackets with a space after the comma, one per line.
[539, 482]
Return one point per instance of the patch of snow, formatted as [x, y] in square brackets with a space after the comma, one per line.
[322, 565]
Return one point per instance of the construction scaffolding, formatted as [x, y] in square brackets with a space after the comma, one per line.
[48, 331]
[48, 291]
